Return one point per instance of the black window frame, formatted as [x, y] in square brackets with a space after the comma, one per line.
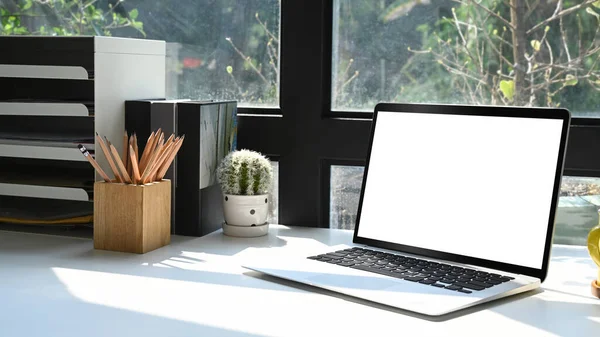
[306, 136]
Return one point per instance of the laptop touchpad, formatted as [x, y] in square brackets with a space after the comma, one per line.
[352, 281]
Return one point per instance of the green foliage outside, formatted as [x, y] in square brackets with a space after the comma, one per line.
[226, 49]
[66, 17]
[541, 54]
[476, 52]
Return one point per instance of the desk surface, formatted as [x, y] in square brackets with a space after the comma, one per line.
[56, 286]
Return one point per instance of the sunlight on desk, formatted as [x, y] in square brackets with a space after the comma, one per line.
[196, 286]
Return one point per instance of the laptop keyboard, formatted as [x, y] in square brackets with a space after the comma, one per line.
[430, 273]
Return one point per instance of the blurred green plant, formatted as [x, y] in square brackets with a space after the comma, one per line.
[269, 74]
[518, 52]
[66, 17]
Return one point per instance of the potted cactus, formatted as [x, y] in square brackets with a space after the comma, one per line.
[245, 178]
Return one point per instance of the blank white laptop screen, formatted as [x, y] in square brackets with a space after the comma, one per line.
[477, 186]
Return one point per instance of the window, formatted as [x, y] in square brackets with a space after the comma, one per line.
[577, 212]
[465, 52]
[215, 49]
[274, 211]
[337, 58]
[346, 182]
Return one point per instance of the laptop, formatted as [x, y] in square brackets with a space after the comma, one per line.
[457, 208]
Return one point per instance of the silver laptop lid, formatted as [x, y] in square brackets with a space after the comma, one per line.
[475, 185]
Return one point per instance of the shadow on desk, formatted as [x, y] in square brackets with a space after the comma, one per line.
[305, 287]
[524, 307]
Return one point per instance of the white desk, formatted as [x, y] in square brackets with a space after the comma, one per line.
[55, 286]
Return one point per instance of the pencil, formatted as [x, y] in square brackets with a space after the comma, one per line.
[151, 162]
[125, 150]
[135, 147]
[165, 167]
[170, 139]
[134, 166]
[128, 158]
[126, 177]
[108, 156]
[161, 158]
[147, 151]
[161, 141]
[94, 163]
[109, 145]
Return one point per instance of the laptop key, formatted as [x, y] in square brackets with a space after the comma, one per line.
[453, 287]
[377, 271]
[481, 284]
[493, 281]
[334, 261]
[468, 286]
[427, 281]
[505, 278]
[464, 291]
[435, 278]
[346, 264]
[445, 280]
[333, 257]
[414, 278]
[438, 285]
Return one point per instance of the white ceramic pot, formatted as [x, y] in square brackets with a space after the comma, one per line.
[246, 210]
[245, 231]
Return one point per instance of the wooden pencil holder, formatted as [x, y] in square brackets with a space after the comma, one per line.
[132, 218]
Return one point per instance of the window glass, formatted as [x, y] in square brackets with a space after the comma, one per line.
[577, 212]
[274, 211]
[346, 183]
[423, 51]
[227, 49]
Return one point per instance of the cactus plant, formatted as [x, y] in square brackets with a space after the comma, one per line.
[245, 172]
